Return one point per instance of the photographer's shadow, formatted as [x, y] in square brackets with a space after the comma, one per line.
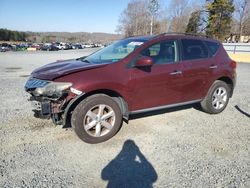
[129, 169]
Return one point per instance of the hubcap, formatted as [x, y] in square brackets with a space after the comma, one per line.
[219, 98]
[99, 120]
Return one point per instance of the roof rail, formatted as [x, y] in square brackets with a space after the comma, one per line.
[188, 34]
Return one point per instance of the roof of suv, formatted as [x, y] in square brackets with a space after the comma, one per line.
[183, 35]
[144, 38]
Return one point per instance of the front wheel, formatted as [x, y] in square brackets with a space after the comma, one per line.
[217, 98]
[96, 119]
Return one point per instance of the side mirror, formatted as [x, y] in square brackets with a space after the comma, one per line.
[144, 61]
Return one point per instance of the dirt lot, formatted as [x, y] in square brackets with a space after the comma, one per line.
[184, 148]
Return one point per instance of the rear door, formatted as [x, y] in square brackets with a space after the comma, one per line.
[198, 69]
[160, 84]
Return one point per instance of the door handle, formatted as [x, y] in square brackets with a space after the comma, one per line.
[176, 73]
[213, 67]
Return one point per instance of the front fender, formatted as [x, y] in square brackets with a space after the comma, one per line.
[75, 101]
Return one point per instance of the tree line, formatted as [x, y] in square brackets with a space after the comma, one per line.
[8, 35]
[216, 18]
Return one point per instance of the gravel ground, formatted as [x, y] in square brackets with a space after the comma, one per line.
[184, 148]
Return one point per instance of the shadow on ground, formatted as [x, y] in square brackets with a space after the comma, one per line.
[129, 169]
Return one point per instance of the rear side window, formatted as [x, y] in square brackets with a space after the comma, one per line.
[193, 49]
[213, 46]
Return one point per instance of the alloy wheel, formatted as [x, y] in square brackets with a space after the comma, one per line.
[219, 98]
[99, 120]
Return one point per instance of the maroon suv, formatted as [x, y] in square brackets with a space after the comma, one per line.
[94, 94]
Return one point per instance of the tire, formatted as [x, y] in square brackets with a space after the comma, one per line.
[96, 119]
[217, 98]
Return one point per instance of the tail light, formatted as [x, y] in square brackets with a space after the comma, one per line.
[233, 64]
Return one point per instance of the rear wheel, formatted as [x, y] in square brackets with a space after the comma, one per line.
[96, 119]
[217, 98]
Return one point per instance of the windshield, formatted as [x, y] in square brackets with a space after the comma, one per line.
[115, 51]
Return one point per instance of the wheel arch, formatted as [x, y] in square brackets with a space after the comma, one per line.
[229, 82]
[74, 102]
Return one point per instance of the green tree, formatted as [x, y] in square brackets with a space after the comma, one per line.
[8, 35]
[194, 22]
[220, 18]
[14, 36]
[4, 34]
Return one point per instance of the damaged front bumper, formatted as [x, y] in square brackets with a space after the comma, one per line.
[45, 108]
[49, 99]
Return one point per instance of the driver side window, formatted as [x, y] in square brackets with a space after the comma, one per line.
[162, 53]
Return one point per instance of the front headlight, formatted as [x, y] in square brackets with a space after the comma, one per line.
[53, 89]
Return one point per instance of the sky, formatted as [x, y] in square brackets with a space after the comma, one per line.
[61, 15]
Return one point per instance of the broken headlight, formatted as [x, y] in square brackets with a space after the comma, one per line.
[53, 89]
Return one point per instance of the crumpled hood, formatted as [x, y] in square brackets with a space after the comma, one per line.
[61, 68]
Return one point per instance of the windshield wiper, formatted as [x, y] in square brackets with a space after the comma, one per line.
[82, 59]
[85, 60]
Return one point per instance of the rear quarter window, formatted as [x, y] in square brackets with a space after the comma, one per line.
[213, 46]
[193, 49]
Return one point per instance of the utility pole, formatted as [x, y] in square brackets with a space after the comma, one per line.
[151, 24]
[153, 9]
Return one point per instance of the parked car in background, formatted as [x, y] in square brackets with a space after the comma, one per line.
[77, 46]
[21, 47]
[50, 48]
[87, 45]
[4, 47]
[60, 46]
[68, 47]
[36, 46]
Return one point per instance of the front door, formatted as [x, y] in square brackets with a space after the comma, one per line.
[161, 83]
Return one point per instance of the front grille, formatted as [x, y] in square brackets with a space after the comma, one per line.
[34, 83]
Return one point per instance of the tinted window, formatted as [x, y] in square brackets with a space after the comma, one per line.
[213, 46]
[193, 49]
[162, 53]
